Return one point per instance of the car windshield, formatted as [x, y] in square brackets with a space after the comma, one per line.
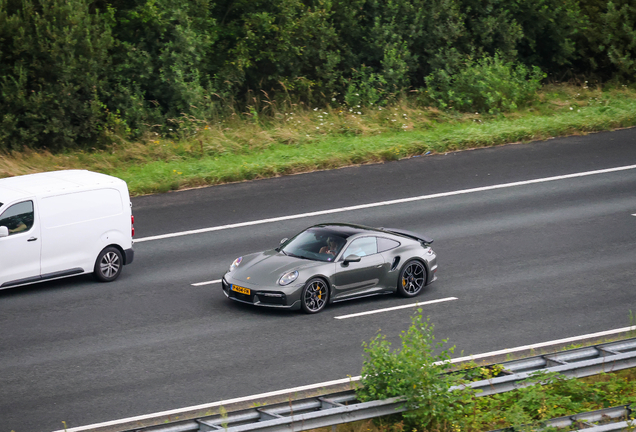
[318, 244]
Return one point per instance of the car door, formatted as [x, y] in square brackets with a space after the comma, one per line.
[363, 277]
[20, 249]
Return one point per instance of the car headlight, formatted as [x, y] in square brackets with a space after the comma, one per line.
[236, 263]
[288, 278]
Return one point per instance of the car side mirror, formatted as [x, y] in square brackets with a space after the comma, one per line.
[4, 231]
[351, 258]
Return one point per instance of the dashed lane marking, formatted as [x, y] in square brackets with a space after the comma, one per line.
[396, 308]
[206, 283]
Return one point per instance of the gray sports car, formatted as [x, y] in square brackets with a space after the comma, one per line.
[329, 263]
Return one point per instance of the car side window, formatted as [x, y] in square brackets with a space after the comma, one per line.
[18, 218]
[362, 247]
[385, 244]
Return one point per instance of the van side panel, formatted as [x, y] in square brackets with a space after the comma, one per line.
[77, 226]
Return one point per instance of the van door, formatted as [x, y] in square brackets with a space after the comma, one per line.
[20, 250]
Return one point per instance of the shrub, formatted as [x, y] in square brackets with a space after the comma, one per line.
[159, 72]
[607, 42]
[54, 64]
[620, 36]
[490, 84]
[287, 46]
[365, 88]
[422, 377]
[416, 372]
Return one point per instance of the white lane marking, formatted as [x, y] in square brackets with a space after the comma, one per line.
[545, 344]
[206, 283]
[336, 382]
[384, 203]
[395, 308]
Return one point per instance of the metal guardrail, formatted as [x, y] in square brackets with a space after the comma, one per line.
[343, 407]
[576, 363]
[586, 422]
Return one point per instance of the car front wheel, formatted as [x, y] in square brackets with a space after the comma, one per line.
[314, 296]
[412, 279]
[108, 264]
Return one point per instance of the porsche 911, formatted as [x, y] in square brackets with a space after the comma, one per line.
[333, 262]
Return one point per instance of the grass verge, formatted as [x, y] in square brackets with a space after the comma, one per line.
[294, 139]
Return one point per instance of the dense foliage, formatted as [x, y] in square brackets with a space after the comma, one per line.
[489, 84]
[77, 73]
[418, 371]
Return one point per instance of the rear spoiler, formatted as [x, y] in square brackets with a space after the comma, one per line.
[410, 234]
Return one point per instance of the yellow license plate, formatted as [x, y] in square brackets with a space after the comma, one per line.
[240, 289]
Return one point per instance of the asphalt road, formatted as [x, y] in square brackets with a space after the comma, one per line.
[528, 263]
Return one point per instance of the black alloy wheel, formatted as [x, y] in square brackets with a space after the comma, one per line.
[314, 296]
[412, 279]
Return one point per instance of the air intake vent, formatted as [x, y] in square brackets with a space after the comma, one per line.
[395, 263]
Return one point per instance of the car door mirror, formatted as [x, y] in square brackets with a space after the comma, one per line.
[351, 258]
[4, 231]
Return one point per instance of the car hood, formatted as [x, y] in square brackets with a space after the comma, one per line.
[265, 268]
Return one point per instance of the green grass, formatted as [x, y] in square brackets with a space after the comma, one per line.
[294, 139]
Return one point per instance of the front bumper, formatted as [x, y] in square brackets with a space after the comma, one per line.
[259, 296]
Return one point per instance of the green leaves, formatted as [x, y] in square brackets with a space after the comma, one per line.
[620, 36]
[489, 84]
[77, 73]
[415, 371]
[55, 59]
[160, 62]
[418, 372]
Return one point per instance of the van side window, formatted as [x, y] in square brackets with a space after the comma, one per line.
[18, 218]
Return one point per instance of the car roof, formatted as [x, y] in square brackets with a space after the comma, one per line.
[347, 230]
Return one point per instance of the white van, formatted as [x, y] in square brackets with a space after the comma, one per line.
[64, 223]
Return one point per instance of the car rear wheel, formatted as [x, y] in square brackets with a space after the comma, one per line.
[412, 279]
[314, 296]
[108, 264]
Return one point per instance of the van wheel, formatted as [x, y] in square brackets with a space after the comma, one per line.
[108, 264]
